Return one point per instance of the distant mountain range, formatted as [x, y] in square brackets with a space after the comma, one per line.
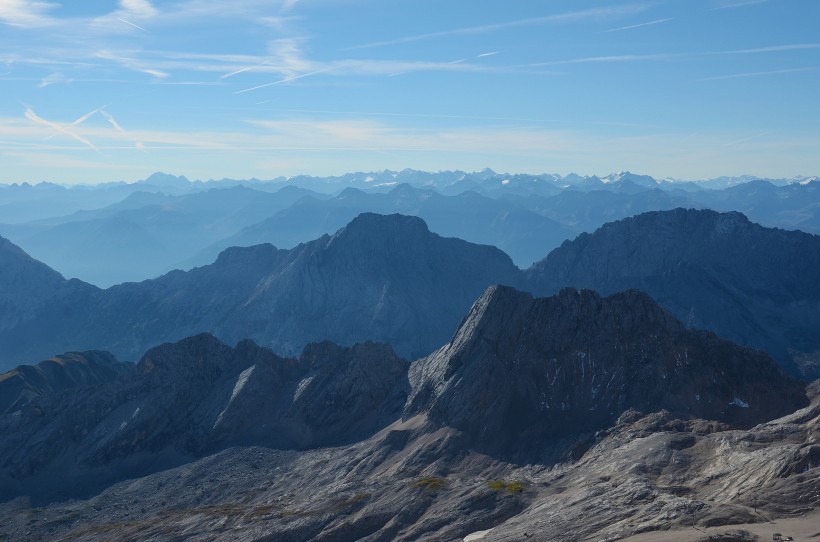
[117, 232]
[388, 278]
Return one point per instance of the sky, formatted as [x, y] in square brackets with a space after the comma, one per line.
[107, 90]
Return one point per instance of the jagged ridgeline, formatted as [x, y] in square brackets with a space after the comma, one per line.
[388, 278]
[753, 285]
[519, 375]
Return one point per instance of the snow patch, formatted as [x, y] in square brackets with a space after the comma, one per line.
[737, 401]
[478, 535]
[237, 388]
[302, 386]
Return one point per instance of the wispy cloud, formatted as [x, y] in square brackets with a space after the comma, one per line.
[658, 57]
[762, 73]
[639, 25]
[138, 8]
[26, 13]
[51, 79]
[287, 5]
[131, 63]
[773, 49]
[743, 3]
[568, 17]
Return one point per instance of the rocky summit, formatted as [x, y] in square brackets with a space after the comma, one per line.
[383, 278]
[601, 417]
[756, 286]
[521, 369]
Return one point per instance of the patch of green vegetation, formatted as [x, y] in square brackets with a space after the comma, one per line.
[431, 483]
[509, 487]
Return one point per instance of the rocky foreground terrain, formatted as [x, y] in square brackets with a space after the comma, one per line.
[573, 417]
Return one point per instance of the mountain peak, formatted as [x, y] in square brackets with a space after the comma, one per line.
[165, 180]
[520, 365]
[395, 227]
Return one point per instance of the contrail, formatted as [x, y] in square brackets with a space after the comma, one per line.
[85, 117]
[132, 24]
[32, 116]
[237, 72]
[79, 120]
[112, 121]
[282, 81]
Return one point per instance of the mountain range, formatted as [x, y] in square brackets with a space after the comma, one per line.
[388, 278]
[379, 278]
[118, 232]
[565, 404]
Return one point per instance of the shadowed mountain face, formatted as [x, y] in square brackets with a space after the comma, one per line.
[520, 370]
[387, 278]
[194, 397]
[64, 372]
[520, 375]
[28, 286]
[384, 278]
[756, 286]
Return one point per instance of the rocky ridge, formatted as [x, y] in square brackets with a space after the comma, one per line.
[207, 434]
[521, 369]
[387, 278]
[753, 285]
[383, 278]
[61, 373]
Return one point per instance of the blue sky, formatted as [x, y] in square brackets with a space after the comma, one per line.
[100, 90]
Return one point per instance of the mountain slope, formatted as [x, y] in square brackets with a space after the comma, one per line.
[753, 285]
[27, 286]
[383, 278]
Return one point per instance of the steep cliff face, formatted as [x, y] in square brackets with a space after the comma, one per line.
[753, 285]
[519, 369]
